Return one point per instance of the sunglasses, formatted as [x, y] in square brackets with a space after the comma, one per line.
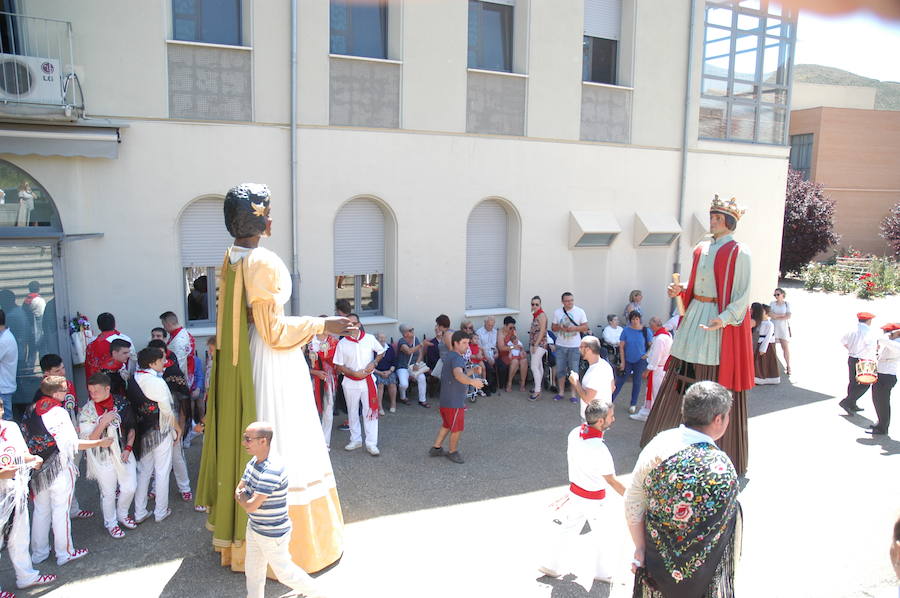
[535, 305]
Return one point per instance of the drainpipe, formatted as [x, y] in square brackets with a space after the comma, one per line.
[295, 241]
[676, 267]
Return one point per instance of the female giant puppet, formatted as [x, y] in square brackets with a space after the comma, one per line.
[260, 374]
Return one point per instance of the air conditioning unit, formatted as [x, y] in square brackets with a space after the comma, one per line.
[30, 79]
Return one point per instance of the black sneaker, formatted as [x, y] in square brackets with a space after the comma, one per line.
[436, 451]
[455, 457]
[344, 427]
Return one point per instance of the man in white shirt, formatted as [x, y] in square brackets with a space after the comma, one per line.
[569, 323]
[888, 362]
[591, 470]
[657, 357]
[9, 358]
[487, 340]
[861, 345]
[598, 382]
[355, 357]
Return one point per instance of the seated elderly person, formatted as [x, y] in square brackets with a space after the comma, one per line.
[487, 340]
[386, 374]
[512, 353]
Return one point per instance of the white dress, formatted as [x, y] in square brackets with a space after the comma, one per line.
[782, 327]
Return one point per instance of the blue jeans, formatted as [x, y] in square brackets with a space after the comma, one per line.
[635, 370]
[7, 406]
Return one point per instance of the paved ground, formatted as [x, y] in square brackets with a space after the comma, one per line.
[819, 502]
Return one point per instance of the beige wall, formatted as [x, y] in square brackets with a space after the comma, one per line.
[814, 95]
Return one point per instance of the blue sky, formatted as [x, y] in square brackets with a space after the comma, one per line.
[859, 42]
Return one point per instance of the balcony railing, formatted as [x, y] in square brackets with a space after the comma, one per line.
[37, 74]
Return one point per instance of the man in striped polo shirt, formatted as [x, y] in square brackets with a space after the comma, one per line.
[262, 492]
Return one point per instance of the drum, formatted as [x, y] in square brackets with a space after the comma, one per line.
[866, 372]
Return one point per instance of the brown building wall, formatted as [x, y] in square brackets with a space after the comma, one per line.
[856, 157]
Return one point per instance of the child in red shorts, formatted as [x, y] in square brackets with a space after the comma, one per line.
[453, 397]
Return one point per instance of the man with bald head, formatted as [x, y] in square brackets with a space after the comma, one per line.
[262, 493]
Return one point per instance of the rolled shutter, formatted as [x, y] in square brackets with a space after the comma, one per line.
[486, 242]
[359, 239]
[506, 2]
[203, 235]
[603, 18]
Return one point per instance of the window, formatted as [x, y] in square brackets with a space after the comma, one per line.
[24, 202]
[203, 244]
[747, 59]
[359, 256]
[801, 153]
[602, 22]
[490, 36]
[359, 28]
[207, 21]
[487, 236]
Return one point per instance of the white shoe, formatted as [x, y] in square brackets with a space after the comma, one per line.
[549, 572]
[373, 450]
[353, 446]
[393, 410]
[632, 409]
[640, 417]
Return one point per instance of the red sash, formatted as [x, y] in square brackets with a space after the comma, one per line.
[370, 383]
[591, 494]
[736, 354]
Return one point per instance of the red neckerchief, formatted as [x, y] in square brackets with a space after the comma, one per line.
[660, 330]
[537, 313]
[114, 364]
[45, 404]
[105, 405]
[173, 334]
[170, 360]
[370, 382]
[590, 432]
[152, 372]
[30, 297]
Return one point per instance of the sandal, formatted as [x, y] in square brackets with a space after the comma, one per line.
[40, 581]
[5, 594]
[187, 496]
[83, 515]
[116, 532]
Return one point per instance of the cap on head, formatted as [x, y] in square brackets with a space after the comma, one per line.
[864, 315]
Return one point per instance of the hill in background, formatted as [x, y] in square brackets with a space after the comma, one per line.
[887, 95]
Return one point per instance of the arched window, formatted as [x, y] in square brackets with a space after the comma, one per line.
[24, 202]
[487, 242]
[359, 237]
[204, 239]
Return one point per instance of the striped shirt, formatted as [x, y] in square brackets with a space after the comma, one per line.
[268, 477]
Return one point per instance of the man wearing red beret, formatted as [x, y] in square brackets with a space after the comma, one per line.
[861, 345]
[888, 363]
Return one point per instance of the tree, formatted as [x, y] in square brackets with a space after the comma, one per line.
[890, 229]
[808, 223]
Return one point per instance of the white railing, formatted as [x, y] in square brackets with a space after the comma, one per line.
[37, 65]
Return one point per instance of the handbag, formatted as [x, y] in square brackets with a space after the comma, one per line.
[419, 367]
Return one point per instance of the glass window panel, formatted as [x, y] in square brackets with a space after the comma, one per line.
[197, 286]
[774, 96]
[771, 124]
[599, 64]
[745, 62]
[345, 288]
[712, 118]
[773, 61]
[748, 22]
[474, 13]
[208, 21]
[490, 36]
[745, 91]
[368, 29]
[718, 16]
[717, 58]
[741, 125]
[370, 293]
[24, 201]
[714, 87]
[340, 27]
[750, 4]
[185, 29]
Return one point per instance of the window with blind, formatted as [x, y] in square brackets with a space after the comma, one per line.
[801, 153]
[204, 239]
[359, 28]
[602, 23]
[207, 21]
[359, 256]
[486, 256]
[491, 35]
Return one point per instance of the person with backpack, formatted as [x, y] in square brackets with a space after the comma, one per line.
[633, 346]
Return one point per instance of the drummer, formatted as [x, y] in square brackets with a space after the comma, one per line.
[861, 345]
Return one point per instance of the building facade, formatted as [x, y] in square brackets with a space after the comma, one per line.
[451, 157]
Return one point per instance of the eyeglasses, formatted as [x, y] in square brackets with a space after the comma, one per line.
[535, 305]
[249, 438]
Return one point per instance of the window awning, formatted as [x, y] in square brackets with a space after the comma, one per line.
[655, 230]
[87, 141]
[592, 229]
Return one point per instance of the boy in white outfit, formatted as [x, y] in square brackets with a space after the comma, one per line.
[158, 430]
[50, 434]
[108, 416]
[15, 465]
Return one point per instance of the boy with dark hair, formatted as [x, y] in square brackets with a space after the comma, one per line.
[158, 333]
[116, 367]
[158, 430]
[97, 352]
[50, 435]
[181, 397]
[453, 397]
[108, 416]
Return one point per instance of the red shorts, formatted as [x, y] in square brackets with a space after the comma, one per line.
[453, 418]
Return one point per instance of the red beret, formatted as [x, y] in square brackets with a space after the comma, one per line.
[890, 327]
[864, 315]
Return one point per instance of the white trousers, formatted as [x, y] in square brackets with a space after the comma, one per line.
[108, 478]
[157, 463]
[263, 551]
[403, 379]
[564, 534]
[17, 547]
[179, 466]
[354, 397]
[75, 509]
[537, 367]
[327, 414]
[658, 376]
[51, 509]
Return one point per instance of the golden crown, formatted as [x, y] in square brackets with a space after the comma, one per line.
[729, 207]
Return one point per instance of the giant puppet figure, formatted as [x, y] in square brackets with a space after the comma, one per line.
[713, 338]
[260, 373]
